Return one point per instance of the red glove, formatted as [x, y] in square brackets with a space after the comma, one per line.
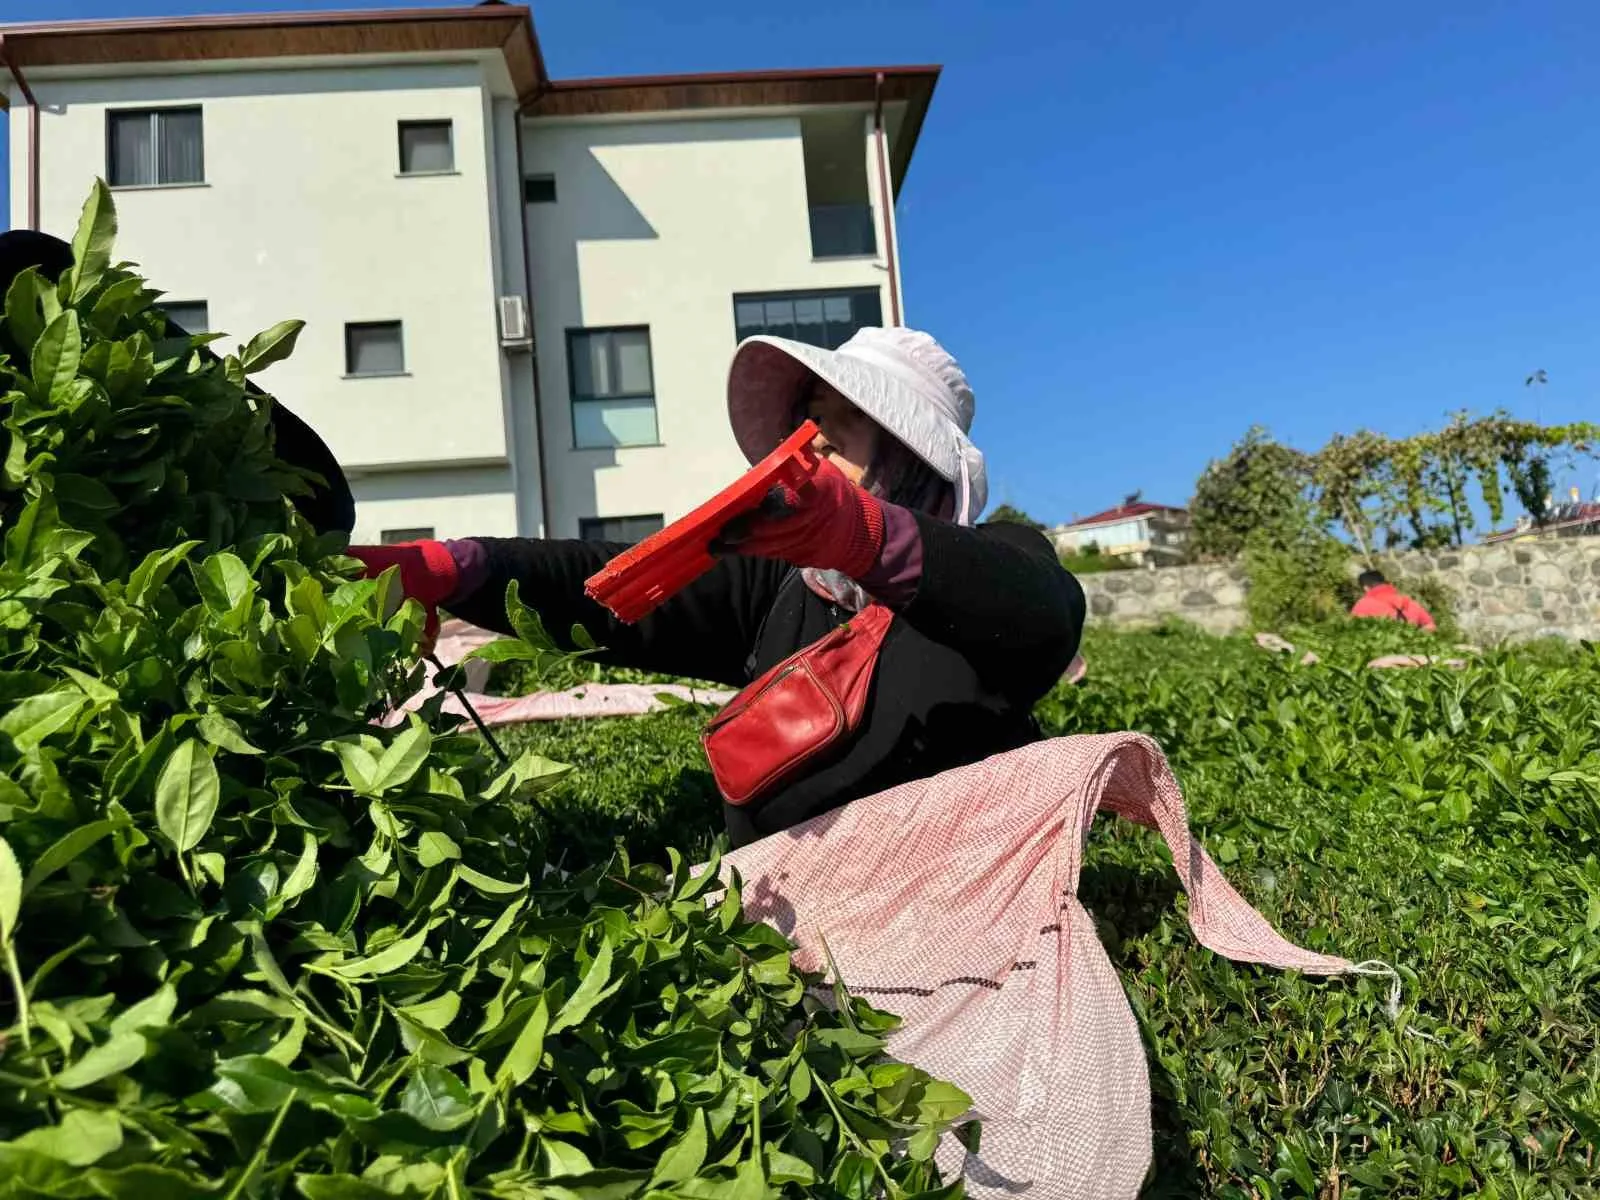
[428, 574]
[828, 523]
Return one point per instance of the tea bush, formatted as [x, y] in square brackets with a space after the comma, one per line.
[1447, 822]
[254, 945]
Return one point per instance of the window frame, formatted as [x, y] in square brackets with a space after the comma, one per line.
[425, 123]
[398, 325]
[154, 113]
[820, 294]
[584, 536]
[576, 332]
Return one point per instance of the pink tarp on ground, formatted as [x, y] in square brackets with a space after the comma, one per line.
[953, 902]
[457, 639]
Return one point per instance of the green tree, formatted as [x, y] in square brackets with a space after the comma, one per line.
[1413, 492]
[1011, 515]
[1260, 485]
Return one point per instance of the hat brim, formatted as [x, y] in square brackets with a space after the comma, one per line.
[765, 379]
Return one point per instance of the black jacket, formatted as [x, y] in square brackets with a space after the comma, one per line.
[995, 623]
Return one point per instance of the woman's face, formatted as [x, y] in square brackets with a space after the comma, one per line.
[848, 437]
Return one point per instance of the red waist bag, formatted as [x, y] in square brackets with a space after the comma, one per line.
[809, 702]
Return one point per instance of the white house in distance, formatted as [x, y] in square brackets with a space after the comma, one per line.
[521, 294]
[1154, 535]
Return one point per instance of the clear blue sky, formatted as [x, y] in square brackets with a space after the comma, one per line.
[1144, 227]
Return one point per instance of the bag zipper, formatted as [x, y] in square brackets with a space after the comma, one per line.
[784, 670]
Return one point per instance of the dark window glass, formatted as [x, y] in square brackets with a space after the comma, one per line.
[374, 348]
[393, 537]
[539, 189]
[189, 315]
[426, 148]
[147, 147]
[619, 529]
[826, 319]
[613, 388]
[843, 231]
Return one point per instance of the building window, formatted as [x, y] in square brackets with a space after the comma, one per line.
[843, 231]
[374, 348]
[825, 319]
[426, 148]
[837, 192]
[619, 529]
[539, 189]
[393, 537]
[151, 147]
[613, 388]
[190, 316]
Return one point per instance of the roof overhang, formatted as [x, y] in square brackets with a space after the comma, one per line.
[145, 44]
[505, 28]
[909, 89]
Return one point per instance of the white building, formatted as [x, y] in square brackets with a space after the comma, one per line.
[1154, 535]
[521, 295]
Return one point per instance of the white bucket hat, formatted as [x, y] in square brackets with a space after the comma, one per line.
[901, 378]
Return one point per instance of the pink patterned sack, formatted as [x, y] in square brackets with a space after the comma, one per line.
[953, 902]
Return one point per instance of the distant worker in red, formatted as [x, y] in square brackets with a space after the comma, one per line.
[1380, 598]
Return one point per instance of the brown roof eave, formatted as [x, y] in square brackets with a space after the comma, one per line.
[638, 94]
[504, 27]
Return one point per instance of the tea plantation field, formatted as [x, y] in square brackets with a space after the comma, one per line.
[1447, 822]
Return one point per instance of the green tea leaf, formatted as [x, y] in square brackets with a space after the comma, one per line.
[82, 1139]
[437, 1099]
[224, 734]
[360, 767]
[56, 356]
[187, 792]
[11, 891]
[436, 1013]
[270, 346]
[40, 717]
[489, 885]
[153, 571]
[589, 993]
[24, 319]
[145, 1181]
[305, 869]
[507, 650]
[401, 759]
[66, 849]
[121, 1053]
[684, 1158]
[942, 1103]
[153, 1012]
[522, 1060]
[391, 958]
[223, 580]
[91, 245]
[434, 848]
[525, 623]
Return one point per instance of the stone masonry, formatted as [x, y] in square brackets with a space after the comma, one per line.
[1503, 592]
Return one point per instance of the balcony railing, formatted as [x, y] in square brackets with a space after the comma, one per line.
[843, 231]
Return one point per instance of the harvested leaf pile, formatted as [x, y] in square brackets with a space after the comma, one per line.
[254, 945]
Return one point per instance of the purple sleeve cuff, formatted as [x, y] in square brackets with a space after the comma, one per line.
[472, 567]
[894, 577]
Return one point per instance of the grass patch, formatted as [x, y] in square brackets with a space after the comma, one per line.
[1446, 822]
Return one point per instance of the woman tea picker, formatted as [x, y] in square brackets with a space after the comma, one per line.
[977, 624]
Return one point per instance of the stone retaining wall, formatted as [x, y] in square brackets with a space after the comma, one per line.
[1518, 590]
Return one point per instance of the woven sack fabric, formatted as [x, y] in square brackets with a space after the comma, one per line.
[953, 902]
